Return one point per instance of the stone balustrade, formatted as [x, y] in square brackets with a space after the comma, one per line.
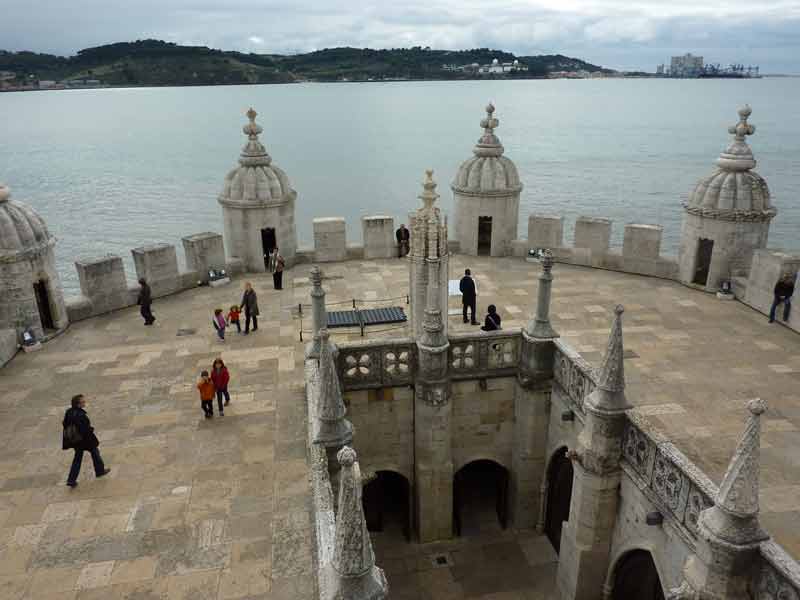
[376, 363]
[573, 374]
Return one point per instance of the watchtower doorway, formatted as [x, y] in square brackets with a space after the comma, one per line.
[705, 248]
[387, 504]
[636, 578]
[484, 236]
[480, 498]
[268, 243]
[559, 496]
[43, 304]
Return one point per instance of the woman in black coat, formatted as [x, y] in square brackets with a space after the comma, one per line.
[250, 306]
[79, 435]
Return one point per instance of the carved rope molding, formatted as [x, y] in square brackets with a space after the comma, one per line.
[779, 575]
[573, 374]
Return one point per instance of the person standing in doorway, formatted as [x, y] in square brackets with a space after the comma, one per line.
[468, 296]
[276, 265]
[403, 236]
[783, 295]
[250, 306]
[79, 435]
[220, 378]
[144, 301]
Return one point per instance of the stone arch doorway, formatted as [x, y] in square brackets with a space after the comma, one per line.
[480, 498]
[559, 496]
[44, 304]
[636, 578]
[387, 504]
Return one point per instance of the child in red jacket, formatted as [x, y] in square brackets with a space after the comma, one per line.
[221, 377]
[233, 317]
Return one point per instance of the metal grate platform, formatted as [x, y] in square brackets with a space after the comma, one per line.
[366, 317]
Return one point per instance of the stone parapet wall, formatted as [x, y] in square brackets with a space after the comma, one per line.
[104, 284]
[757, 291]
[8, 345]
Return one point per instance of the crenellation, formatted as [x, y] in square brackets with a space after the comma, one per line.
[204, 251]
[158, 265]
[330, 239]
[378, 237]
[545, 231]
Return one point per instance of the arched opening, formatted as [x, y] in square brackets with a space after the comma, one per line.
[636, 578]
[559, 495]
[43, 304]
[480, 498]
[268, 243]
[387, 500]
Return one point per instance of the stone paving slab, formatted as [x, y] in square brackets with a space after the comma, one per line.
[197, 508]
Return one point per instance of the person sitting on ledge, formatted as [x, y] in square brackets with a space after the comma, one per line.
[783, 295]
[492, 321]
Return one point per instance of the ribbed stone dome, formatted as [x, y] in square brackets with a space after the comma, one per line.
[488, 172]
[256, 180]
[734, 190]
[22, 230]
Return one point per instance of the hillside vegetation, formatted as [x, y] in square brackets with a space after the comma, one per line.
[154, 62]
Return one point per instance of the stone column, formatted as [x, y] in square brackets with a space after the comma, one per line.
[532, 407]
[586, 537]
[331, 429]
[729, 534]
[319, 316]
[352, 574]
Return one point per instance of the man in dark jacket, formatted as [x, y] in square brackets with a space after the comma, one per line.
[144, 301]
[468, 296]
[403, 237]
[79, 435]
[783, 295]
[250, 306]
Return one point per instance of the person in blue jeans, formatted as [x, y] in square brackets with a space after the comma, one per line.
[79, 435]
[783, 295]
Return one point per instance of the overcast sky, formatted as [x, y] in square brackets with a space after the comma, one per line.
[632, 34]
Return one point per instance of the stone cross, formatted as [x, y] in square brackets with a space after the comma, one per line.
[743, 128]
[540, 327]
[490, 123]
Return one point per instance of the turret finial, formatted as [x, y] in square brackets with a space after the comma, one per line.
[489, 144]
[743, 128]
[5, 192]
[429, 195]
[738, 156]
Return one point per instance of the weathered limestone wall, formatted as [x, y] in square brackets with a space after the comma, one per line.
[8, 345]
[378, 236]
[204, 251]
[483, 421]
[545, 231]
[734, 245]
[243, 225]
[104, 286]
[384, 423]
[594, 235]
[330, 239]
[158, 265]
[767, 267]
[504, 210]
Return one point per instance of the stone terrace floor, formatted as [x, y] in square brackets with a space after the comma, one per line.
[218, 509]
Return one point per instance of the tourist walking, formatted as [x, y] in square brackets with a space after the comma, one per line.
[233, 317]
[783, 295]
[468, 296]
[250, 306]
[79, 435]
[144, 301]
[276, 265]
[403, 237]
[218, 321]
[492, 321]
[220, 378]
[207, 390]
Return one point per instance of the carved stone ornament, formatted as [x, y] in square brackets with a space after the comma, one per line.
[773, 586]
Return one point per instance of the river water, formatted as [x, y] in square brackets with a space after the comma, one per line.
[114, 169]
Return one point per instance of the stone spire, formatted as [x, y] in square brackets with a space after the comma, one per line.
[253, 153]
[319, 316]
[433, 326]
[609, 396]
[489, 144]
[354, 574]
[334, 430]
[734, 516]
[539, 326]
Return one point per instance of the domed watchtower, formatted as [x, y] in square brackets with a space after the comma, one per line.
[486, 194]
[258, 205]
[727, 215]
[30, 290]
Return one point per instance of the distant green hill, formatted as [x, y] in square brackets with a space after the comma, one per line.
[154, 62]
